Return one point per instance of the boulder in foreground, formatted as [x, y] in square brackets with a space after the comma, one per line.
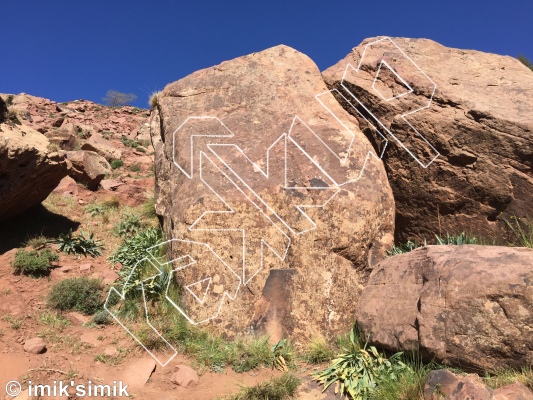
[467, 306]
[272, 192]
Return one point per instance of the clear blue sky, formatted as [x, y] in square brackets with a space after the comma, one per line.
[71, 49]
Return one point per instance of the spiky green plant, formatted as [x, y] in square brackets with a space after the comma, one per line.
[358, 371]
[80, 244]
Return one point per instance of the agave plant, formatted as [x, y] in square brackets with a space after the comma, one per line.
[81, 244]
[358, 371]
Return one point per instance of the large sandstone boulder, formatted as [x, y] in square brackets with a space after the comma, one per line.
[469, 163]
[29, 171]
[272, 192]
[467, 306]
[88, 167]
[101, 146]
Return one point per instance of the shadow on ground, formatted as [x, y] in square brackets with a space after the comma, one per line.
[34, 222]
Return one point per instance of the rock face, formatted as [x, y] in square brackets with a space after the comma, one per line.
[102, 147]
[514, 391]
[28, 170]
[88, 167]
[479, 120]
[467, 306]
[272, 192]
[444, 385]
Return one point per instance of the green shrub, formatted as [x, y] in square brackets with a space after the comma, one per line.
[95, 209]
[130, 225]
[81, 244]
[282, 388]
[358, 371]
[116, 164]
[409, 384]
[102, 318]
[33, 263]
[136, 167]
[131, 253]
[78, 294]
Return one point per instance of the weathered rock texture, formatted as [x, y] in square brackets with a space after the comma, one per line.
[444, 385]
[480, 121]
[88, 167]
[28, 170]
[468, 306]
[256, 98]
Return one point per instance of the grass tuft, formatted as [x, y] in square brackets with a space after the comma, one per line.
[282, 388]
[522, 230]
[318, 351]
[33, 263]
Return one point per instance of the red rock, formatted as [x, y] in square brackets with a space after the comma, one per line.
[111, 351]
[442, 384]
[514, 391]
[446, 301]
[184, 376]
[35, 346]
[30, 171]
[138, 372]
[109, 277]
[58, 121]
[104, 149]
[258, 96]
[110, 184]
[88, 167]
[67, 186]
[85, 268]
[480, 121]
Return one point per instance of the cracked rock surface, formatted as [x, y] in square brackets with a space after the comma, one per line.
[467, 306]
[479, 121]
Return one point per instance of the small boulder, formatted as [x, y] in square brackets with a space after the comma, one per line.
[67, 187]
[35, 346]
[446, 301]
[76, 318]
[109, 277]
[110, 351]
[442, 384]
[85, 268]
[184, 376]
[138, 372]
[88, 168]
[514, 391]
[110, 184]
[101, 146]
